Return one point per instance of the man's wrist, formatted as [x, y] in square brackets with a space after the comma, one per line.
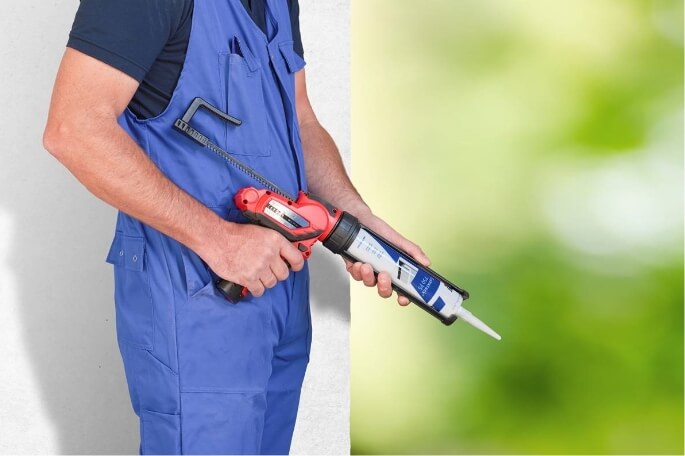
[212, 229]
[357, 207]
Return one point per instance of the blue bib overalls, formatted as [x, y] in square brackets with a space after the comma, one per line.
[204, 375]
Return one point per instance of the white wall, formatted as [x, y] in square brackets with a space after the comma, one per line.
[324, 421]
[62, 387]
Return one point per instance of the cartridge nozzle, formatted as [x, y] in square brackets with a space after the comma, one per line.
[471, 319]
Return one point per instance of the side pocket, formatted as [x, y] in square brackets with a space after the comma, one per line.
[132, 294]
[197, 274]
[200, 279]
[241, 75]
[160, 433]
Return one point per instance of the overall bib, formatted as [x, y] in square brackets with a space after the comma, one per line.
[204, 375]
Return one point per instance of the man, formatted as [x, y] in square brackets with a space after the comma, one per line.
[204, 376]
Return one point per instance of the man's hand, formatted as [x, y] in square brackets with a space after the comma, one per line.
[252, 256]
[363, 272]
[327, 178]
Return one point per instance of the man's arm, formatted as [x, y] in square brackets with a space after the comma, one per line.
[83, 133]
[327, 177]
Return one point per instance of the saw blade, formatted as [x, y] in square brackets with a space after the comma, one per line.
[245, 169]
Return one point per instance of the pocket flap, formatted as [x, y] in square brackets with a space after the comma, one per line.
[127, 251]
[292, 59]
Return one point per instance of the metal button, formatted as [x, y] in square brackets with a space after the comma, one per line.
[135, 258]
[121, 253]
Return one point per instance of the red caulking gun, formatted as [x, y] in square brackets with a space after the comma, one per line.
[306, 219]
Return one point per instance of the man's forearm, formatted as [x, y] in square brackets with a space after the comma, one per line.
[326, 173]
[114, 168]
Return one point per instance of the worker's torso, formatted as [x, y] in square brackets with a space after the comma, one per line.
[247, 73]
[156, 88]
[238, 68]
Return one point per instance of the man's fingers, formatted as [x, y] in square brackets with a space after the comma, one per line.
[384, 285]
[256, 288]
[269, 281]
[280, 270]
[368, 277]
[416, 252]
[349, 265]
[356, 271]
[364, 272]
[292, 256]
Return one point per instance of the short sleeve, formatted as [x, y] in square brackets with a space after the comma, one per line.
[125, 34]
[295, 26]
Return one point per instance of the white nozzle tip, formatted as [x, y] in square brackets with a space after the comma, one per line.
[471, 319]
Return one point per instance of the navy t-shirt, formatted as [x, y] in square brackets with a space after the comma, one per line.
[148, 39]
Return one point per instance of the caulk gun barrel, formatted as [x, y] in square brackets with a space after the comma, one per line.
[423, 286]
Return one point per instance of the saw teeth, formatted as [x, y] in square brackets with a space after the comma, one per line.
[247, 170]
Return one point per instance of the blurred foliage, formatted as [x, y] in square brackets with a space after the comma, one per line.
[534, 149]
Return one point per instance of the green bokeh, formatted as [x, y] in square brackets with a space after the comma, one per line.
[534, 149]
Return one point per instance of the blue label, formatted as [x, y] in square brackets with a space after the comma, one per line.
[425, 285]
[439, 304]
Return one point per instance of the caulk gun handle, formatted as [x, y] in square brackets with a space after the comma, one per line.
[232, 291]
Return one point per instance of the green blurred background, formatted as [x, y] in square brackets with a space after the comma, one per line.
[535, 150]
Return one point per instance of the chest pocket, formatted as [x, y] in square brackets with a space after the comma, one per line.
[241, 76]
